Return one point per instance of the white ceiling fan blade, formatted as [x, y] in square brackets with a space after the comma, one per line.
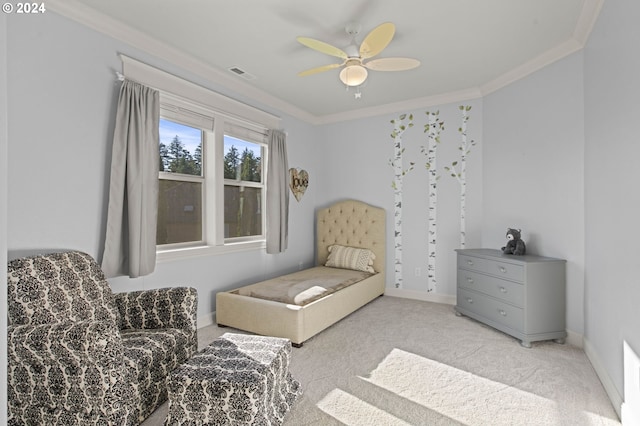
[323, 47]
[377, 40]
[392, 64]
[318, 69]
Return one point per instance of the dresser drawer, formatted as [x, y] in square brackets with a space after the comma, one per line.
[508, 291]
[505, 270]
[492, 309]
[494, 267]
[472, 263]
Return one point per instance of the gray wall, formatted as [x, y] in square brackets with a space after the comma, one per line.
[61, 93]
[356, 159]
[612, 195]
[534, 170]
[560, 148]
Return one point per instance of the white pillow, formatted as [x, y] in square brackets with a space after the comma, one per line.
[358, 259]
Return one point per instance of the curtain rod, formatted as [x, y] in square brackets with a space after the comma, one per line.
[250, 125]
[168, 82]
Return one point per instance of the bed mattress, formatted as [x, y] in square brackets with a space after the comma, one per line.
[303, 287]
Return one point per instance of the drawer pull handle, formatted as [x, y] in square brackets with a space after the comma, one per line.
[502, 312]
[470, 262]
[470, 300]
[503, 269]
[470, 280]
[503, 290]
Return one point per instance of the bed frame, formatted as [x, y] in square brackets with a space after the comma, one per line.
[350, 223]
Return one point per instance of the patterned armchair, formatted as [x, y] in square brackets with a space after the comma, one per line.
[81, 355]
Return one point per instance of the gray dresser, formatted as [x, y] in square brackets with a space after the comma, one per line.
[523, 296]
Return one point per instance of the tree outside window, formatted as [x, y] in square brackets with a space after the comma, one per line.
[182, 208]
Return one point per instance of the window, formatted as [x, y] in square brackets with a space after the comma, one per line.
[243, 188]
[181, 186]
[211, 179]
[201, 210]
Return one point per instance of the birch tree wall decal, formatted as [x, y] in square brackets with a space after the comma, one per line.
[461, 176]
[399, 172]
[433, 129]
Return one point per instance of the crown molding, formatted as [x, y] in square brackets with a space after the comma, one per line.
[529, 67]
[408, 105]
[584, 25]
[213, 102]
[79, 12]
[586, 21]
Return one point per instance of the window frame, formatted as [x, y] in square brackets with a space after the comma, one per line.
[234, 132]
[179, 177]
[213, 129]
[223, 107]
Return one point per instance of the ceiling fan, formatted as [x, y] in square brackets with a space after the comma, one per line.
[355, 58]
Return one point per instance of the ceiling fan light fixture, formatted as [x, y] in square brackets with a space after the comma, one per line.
[353, 75]
[354, 72]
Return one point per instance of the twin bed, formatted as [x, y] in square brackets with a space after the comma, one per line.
[350, 259]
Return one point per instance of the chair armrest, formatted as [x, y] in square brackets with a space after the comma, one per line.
[174, 307]
[67, 372]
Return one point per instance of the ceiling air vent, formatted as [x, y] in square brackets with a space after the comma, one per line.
[242, 73]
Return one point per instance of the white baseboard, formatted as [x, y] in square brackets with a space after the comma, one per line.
[607, 383]
[630, 410]
[575, 339]
[421, 295]
[628, 415]
[206, 320]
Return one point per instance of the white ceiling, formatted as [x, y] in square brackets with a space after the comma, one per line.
[467, 48]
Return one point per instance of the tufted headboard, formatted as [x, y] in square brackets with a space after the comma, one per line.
[351, 223]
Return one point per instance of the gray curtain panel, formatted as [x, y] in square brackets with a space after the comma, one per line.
[277, 193]
[130, 242]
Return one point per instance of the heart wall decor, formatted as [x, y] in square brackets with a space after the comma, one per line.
[298, 182]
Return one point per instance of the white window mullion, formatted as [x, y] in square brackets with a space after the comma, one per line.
[245, 183]
[179, 177]
[217, 184]
[208, 188]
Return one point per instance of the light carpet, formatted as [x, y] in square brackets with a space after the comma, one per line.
[407, 362]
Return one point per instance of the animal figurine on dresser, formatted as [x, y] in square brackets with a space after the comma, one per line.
[515, 245]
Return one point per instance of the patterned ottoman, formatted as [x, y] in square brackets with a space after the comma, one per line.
[237, 379]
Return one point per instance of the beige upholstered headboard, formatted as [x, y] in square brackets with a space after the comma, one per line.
[355, 224]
